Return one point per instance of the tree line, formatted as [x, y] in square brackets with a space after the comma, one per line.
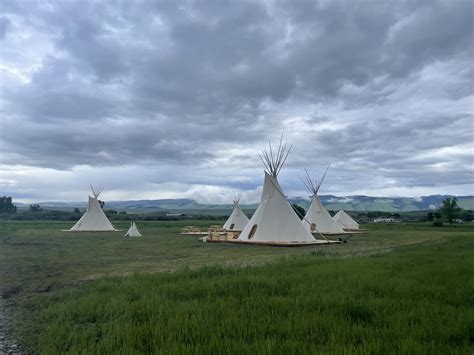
[449, 212]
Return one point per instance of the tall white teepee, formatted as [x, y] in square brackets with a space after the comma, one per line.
[94, 219]
[345, 220]
[275, 221]
[133, 231]
[318, 219]
[237, 219]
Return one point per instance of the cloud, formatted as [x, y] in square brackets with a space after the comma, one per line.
[4, 24]
[193, 90]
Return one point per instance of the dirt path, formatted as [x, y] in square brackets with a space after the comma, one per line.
[7, 344]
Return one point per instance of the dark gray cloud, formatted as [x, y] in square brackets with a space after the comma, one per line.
[381, 90]
[4, 23]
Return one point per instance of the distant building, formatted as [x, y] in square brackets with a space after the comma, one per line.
[386, 220]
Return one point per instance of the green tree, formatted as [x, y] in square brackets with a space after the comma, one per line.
[35, 208]
[430, 216]
[450, 209]
[371, 214]
[300, 211]
[6, 205]
[467, 216]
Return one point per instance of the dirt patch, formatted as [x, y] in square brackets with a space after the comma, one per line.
[45, 288]
[6, 292]
[7, 343]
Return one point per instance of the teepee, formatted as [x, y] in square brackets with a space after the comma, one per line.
[94, 219]
[345, 220]
[133, 231]
[237, 219]
[275, 221]
[318, 219]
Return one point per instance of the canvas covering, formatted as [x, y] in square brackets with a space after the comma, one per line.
[345, 220]
[319, 215]
[94, 219]
[237, 220]
[275, 219]
[133, 231]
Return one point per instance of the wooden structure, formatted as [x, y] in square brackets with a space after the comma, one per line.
[192, 230]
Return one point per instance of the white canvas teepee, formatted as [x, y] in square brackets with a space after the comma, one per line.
[318, 219]
[345, 220]
[275, 221]
[237, 219]
[133, 231]
[94, 219]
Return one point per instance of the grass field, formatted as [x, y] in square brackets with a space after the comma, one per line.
[396, 289]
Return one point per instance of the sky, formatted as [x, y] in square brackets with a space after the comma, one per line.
[175, 99]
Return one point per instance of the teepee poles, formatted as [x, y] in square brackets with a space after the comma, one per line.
[274, 161]
[96, 191]
[322, 179]
[236, 198]
[313, 186]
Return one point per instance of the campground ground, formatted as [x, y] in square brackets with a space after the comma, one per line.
[401, 287]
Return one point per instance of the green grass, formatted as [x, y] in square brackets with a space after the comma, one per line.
[396, 289]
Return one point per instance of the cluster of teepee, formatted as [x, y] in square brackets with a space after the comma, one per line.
[95, 220]
[275, 221]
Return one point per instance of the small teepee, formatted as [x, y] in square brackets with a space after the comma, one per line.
[275, 221]
[237, 219]
[345, 220]
[318, 219]
[133, 231]
[94, 219]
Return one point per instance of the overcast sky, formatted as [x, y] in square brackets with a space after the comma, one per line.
[160, 99]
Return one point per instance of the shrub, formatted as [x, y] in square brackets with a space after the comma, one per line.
[438, 224]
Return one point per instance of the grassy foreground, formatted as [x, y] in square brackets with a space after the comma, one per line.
[397, 289]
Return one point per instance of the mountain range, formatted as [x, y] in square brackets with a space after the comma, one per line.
[349, 203]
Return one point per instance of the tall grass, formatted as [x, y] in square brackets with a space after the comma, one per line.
[415, 300]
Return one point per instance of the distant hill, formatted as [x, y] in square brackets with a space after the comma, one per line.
[391, 204]
[350, 203]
